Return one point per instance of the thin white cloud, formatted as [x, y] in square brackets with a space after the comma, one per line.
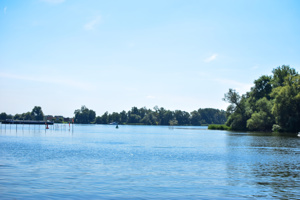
[240, 87]
[211, 58]
[4, 10]
[150, 97]
[91, 25]
[54, 1]
[64, 82]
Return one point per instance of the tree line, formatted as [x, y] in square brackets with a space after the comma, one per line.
[35, 114]
[138, 116]
[272, 104]
[158, 116]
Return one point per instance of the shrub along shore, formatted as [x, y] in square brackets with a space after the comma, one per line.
[219, 127]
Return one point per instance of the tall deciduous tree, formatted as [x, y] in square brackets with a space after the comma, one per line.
[286, 108]
[274, 101]
[37, 113]
[84, 115]
[3, 116]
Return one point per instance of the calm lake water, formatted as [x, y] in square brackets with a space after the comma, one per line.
[146, 162]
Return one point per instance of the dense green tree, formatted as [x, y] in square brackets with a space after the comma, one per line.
[18, 117]
[182, 117]
[84, 115]
[123, 117]
[3, 116]
[26, 116]
[195, 118]
[280, 74]
[286, 107]
[173, 122]
[162, 116]
[37, 113]
[134, 119]
[135, 111]
[262, 119]
[92, 116]
[143, 112]
[234, 99]
[262, 88]
[98, 120]
[115, 117]
[272, 104]
[237, 110]
[212, 116]
[103, 119]
[149, 119]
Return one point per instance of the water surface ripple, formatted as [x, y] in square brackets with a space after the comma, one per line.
[146, 162]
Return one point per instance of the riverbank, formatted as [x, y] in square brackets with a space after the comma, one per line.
[218, 127]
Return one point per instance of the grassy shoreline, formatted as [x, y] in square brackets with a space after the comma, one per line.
[219, 127]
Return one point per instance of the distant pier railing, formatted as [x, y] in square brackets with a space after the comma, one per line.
[11, 121]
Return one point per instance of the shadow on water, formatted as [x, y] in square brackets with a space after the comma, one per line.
[269, 161]
[281, 134]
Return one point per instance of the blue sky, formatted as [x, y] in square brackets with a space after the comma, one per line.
[113, 55]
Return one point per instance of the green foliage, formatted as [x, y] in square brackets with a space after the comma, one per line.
[218, 127]
[211, 116]
[59, 120]
[281, 73]
[134, 119]
[262, 88]
[276, 128]
[27, 116]
[84, 115]
[173, 122]
[141, 116]
[196, 118]
[273, 100]
[149, 119]
[3, 116]
[161, 116]
[37, 113]
[236, 122]
[262, 119]
[238, 110]
[286, 108]
[182, 117]
[18, 117]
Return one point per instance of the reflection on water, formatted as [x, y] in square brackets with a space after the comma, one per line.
[268, 162]
[146, 162]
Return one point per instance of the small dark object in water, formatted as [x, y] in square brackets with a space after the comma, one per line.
[117, 126]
